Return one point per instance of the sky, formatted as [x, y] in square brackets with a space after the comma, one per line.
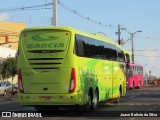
[95, 16]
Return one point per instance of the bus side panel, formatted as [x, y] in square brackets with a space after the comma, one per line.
[119, 79]
[95, 73]
[104, 72]
[87, 75]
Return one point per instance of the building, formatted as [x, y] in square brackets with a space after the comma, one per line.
[9, 34]
[9, 37]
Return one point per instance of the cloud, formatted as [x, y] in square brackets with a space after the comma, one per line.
[4, 16]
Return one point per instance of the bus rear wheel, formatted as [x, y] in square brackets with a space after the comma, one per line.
[88, 105]
[138, 87]
[95, 101]
[117, 100]
[131, 88]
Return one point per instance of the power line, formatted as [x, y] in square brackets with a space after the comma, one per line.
[127, 31]
[84, 17]
[38, 7]
[93, 21]
[151, 50]
[148, 37]
[49, 6]
[146, 56]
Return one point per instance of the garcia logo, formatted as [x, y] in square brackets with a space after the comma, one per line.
[43, 37]
[51, 45]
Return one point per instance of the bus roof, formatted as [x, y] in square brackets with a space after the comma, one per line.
[133, 64]
[126, 52]
[94, 36]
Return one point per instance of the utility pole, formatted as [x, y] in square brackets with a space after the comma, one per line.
[132, 48]
[55, 12]
[119, 33]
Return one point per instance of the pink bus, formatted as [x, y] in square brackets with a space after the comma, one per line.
[134, 75]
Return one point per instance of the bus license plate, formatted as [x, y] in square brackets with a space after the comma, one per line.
[45, 98]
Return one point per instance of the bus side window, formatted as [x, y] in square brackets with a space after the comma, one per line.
[79, 46]
[132, 72]
[127, 59]
[139, 70]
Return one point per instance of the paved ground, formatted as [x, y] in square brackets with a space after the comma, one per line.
[8, 99]
[137, 101]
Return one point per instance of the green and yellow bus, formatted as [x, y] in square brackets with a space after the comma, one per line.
[62, 66]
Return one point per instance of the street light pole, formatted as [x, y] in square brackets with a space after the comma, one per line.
[150, 72]
[132, 48]
[132, 36]
[145, 75]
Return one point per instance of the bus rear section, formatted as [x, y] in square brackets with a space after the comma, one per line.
[45, 74]
[134, 76]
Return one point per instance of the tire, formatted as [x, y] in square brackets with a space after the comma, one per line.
[133, 86]
[138, 87]
[95, 101]
[117, 100]
[5, 93]
[88, 105]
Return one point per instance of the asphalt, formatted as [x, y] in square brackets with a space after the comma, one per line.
[8, 99]
[13, 99]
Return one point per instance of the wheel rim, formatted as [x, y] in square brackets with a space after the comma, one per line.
[89, 100]
[119, 94]
[95, 99]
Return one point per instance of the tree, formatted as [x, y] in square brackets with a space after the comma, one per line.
[1, 66]
[9, 68]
